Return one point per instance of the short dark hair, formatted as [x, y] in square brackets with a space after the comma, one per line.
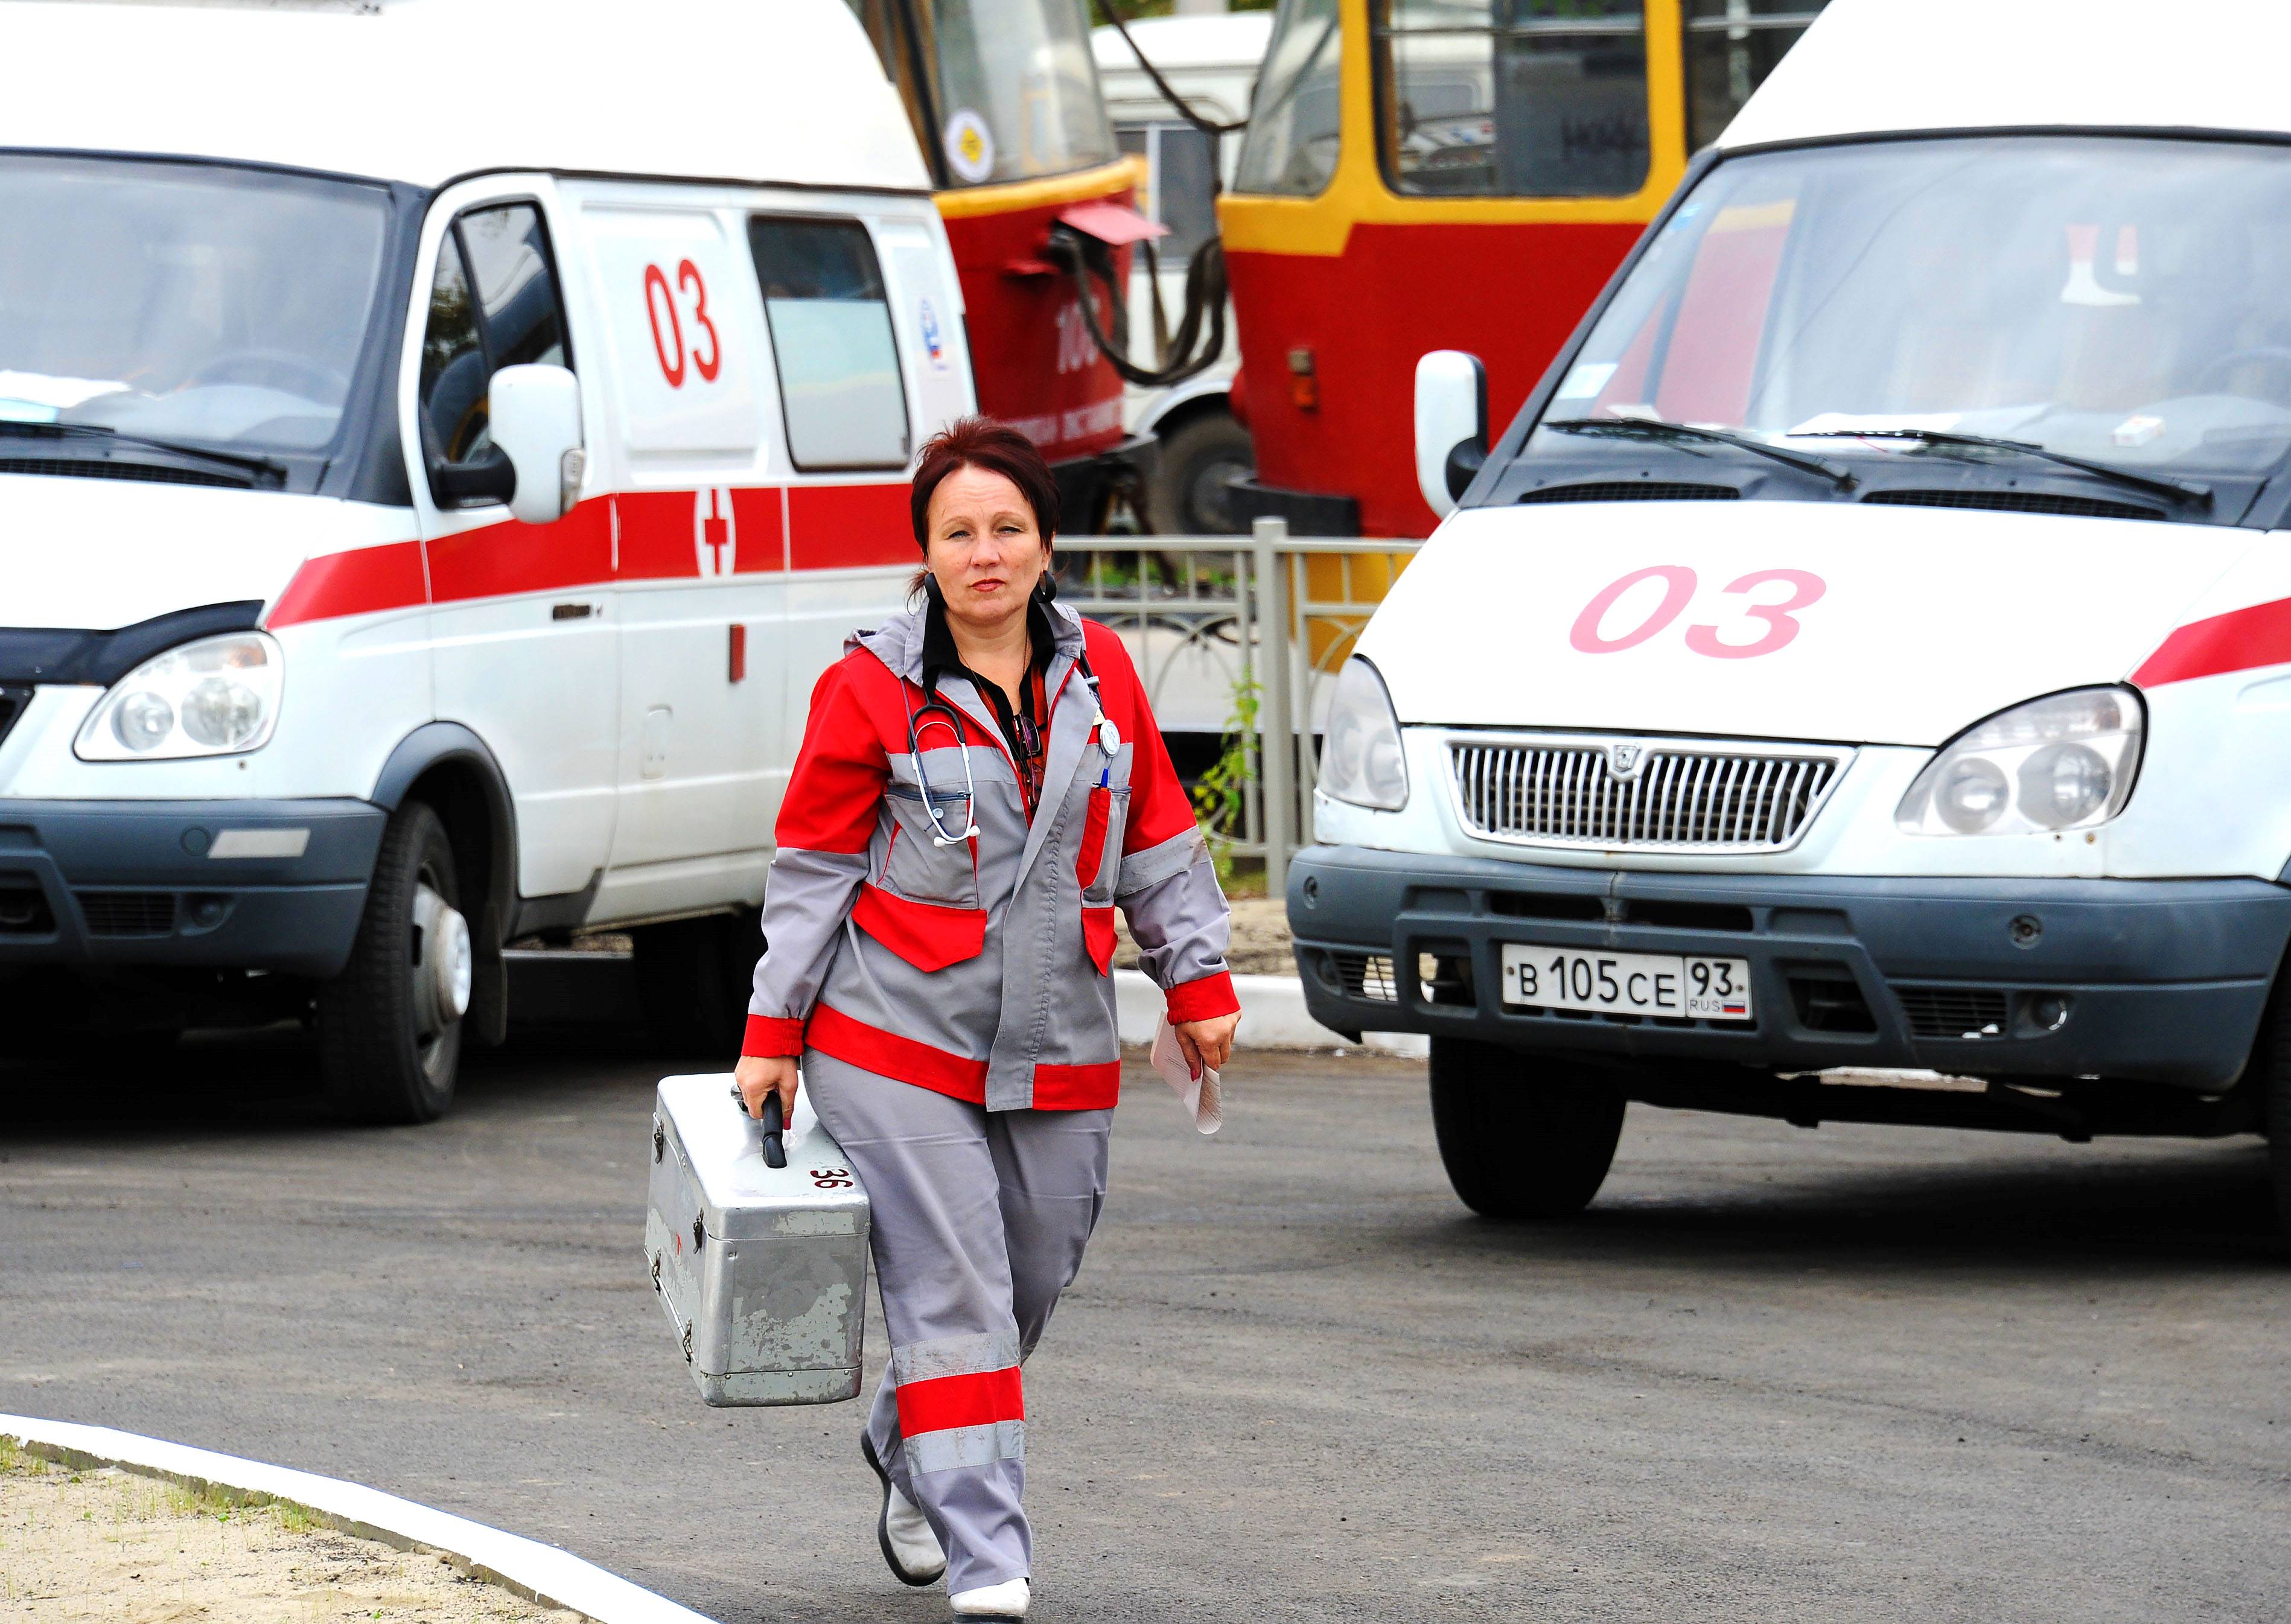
[981, 442]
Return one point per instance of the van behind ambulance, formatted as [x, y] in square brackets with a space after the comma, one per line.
[1871, 646]
[441, 441]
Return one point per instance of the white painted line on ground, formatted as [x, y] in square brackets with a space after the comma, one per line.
[1272, 1016]
[537, 1572]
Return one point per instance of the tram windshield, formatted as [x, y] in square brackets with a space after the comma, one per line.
[182, 301]
[1294, 124]
[1010, 88]
[2105, 297]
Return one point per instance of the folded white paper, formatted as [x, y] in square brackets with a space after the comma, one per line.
[1200, 1097]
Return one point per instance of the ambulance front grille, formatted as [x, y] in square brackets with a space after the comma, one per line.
[1642, 794]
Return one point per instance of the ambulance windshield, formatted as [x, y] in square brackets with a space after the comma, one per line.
[183, 301]
[2124, 301]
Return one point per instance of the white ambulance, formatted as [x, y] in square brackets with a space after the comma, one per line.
[440, 442]
[1869, 648]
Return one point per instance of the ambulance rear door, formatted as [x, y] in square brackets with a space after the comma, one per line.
[700, 551]
[867, 332]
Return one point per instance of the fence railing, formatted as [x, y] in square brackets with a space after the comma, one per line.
[1213, 619]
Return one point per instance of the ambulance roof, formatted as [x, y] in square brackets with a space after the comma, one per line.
[787, 92]
[1871, 66]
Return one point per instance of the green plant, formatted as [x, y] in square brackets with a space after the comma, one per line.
[1221, 796]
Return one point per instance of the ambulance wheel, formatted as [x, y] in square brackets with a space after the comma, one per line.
[2269, 1068]
[1521, 1136]
[390, 1026]
[1189, 496]
[693, 976]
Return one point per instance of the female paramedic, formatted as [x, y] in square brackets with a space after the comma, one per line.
[981, 785]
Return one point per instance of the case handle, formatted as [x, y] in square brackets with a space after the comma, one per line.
[774, 1151]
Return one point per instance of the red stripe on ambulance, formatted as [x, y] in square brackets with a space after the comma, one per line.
[664, 535]
[2241, 639]
[363, 580]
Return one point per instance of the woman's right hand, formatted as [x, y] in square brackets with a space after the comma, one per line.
[760, 1076]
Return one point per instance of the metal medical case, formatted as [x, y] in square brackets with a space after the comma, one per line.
[762, 1269]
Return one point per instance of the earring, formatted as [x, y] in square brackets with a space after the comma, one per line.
[1046, 585]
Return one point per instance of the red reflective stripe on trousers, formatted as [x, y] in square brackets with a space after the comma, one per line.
[945, 1401]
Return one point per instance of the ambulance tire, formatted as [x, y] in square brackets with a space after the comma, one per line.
[2270, 1061]
[1522, 1136]
[694, 977]
[378, 1063]
[1189, 496]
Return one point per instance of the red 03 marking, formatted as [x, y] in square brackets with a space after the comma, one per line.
[659, 299]
[1589, 633]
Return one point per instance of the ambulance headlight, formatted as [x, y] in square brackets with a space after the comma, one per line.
[1361, 759]
[2064, 761]
[217, 696]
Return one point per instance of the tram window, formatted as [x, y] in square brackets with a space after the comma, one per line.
[1513, 98]
[1290, 147]
[1732, 46]
[846, 406]
[1181, 183]
[1015, 90]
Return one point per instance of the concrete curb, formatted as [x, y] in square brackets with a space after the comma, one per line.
[538, 1573]
[1272, 1016]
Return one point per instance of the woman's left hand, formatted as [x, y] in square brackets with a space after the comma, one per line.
[1208, 1043]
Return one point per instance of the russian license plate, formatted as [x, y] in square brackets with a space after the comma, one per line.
[1687, 986]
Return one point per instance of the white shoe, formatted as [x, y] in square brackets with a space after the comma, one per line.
[904, 1533]
[1006, 1600]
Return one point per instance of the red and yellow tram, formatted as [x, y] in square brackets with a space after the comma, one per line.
[1005, 101]
[1435, 174]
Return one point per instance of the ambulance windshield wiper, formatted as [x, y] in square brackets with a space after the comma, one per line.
[2156, 484]
[260, 469]
[1657, 429]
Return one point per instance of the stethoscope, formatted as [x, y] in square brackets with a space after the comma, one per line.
[936, 713]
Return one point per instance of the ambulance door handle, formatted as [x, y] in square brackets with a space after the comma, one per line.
[571, 611]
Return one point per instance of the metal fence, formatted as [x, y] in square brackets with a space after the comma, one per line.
[1214, 622]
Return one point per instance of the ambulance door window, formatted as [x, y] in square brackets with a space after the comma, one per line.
[843, 400]
[517, 287]
[453, 373]
[493, 302]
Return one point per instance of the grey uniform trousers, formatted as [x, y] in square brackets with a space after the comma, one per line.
[979, 1221]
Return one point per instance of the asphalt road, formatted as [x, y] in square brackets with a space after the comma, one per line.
[1860, 1373]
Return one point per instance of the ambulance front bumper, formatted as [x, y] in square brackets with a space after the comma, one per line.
[2155, 981]
[269, 885]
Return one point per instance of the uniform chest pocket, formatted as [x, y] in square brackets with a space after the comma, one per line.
[918, 867]
[1097, 860]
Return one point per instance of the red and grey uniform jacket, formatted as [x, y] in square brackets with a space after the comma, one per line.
[982, 969]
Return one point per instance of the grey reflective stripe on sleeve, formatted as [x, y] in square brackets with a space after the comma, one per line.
[1181, 925]
[971, 1355]
[1157, 863]
[806, 897]
[965, 1446]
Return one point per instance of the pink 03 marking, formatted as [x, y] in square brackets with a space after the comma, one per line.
[1781, 628]
[1584, 635]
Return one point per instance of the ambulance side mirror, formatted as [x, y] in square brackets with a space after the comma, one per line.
[535, 417]
[1451, 425]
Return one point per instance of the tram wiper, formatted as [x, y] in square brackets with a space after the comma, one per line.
[2158, 485]
[1658, 429]
[259, 468]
